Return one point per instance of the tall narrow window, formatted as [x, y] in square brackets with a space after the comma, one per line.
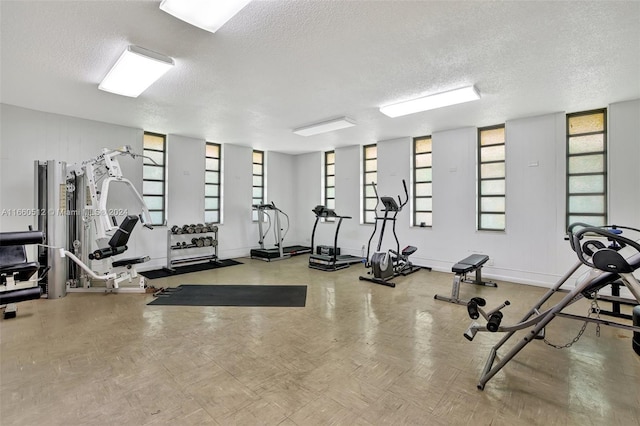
[491, 178]
[258, 180]
[587, 167]
[330, 179]
[153, 176]
[422, 193]
[370, 175]
[213, 158]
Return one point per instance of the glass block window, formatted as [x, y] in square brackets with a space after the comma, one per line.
[154, 176]
[422, 182]
[587, 167]
[369, 175]
[491, 178]
[330, 180]
[258, 180]
[213, 158]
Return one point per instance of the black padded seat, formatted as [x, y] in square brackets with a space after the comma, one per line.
[22, 271]
[13, 261]
[470, 263]
[609, 277]
[130, 261]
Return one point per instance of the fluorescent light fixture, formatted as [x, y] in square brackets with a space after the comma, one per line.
[135, 71]
[325, 126]
[439, 100]
[209, 15]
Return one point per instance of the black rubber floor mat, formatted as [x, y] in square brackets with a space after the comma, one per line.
[162, 273]
[234, 295]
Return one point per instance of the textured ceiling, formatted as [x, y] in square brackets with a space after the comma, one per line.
[279, 65]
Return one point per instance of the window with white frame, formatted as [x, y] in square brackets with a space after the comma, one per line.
[258, 180]
[492, 178]
[330, 180]
[587, 167]
[422, 182]
[154, 176]
[369, 176]
[213, 159]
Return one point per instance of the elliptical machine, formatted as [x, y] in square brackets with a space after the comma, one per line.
[385, 265]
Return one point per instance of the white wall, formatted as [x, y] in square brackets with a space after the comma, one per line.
[532, 249]
[624, 167]
[28, 135]
[307, 172]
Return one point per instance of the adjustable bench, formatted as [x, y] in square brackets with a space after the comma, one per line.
[16, 284]
[465, 266]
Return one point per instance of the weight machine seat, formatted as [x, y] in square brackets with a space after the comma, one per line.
[13, 256]
[470, 263]
[130, 261]
[119, 240]
[13, 263]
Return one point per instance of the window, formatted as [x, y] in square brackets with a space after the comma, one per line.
[258, 180]
[153, 176]
[422, 190]
[369, 175]
[491, 178]
[330, 180]
[587, 167]
[213, 157]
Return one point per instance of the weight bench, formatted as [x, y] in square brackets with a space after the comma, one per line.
[466, 266]
[16, 284]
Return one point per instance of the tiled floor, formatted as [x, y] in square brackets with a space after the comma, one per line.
[357, 354]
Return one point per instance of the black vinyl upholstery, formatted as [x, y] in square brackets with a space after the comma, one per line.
[470, 263]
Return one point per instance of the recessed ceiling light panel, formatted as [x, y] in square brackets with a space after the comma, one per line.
[439, 100]
[209, 15]
[325, 126]
[135, 71]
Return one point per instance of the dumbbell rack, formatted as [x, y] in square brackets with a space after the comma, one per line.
[180, 248]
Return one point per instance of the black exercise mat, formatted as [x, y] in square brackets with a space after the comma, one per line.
[234, 295]
[162, 273]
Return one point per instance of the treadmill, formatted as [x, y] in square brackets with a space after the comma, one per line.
[279, 252]
[329, 258]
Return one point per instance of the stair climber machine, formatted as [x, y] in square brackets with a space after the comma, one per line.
[328, 258]
[607, 265]
[81, 231]
[385, 265]
[279, 252]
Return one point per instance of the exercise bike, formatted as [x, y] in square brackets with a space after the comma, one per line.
[385, 265]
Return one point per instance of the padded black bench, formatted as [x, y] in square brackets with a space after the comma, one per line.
[472, 263]
[16, 284]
